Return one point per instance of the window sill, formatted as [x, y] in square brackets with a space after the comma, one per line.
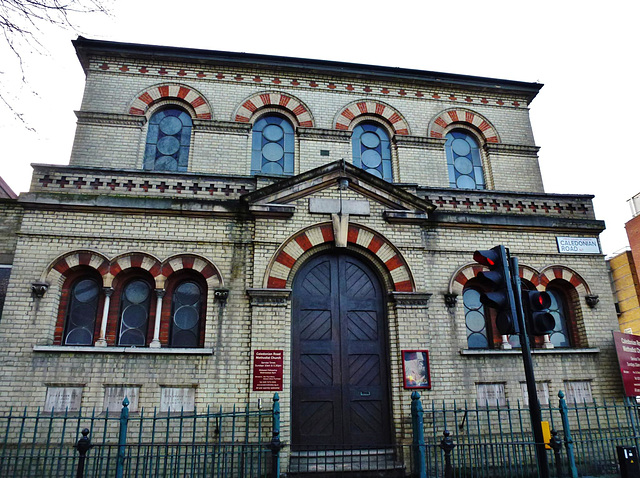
[122, 350]
[472, 352]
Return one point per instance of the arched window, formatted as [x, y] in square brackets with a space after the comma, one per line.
[134, 313]
[84, 296]
[168, 139]
[560, 335]
[463, 161]
[273, 146]
[372, 150]
[186, 314]
[475, 319]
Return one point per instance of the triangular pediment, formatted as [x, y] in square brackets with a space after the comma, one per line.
[277, 199]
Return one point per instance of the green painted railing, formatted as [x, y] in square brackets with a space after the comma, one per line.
[497, 441]
[145, 444]
[482, 441]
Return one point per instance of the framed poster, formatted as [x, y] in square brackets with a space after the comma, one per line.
[415, 367]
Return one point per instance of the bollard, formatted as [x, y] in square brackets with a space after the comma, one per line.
[83, 446]
[556, 444]
[447, 446]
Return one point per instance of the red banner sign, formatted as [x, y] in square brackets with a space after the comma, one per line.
[628, 350]
[267, 370]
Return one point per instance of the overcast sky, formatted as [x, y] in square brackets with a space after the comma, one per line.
[586, 54]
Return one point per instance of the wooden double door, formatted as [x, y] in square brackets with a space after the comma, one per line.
[340, 377]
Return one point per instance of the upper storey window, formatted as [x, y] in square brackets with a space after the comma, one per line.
[372, 150]
[168, 141]
[464, 161]
[273, 146]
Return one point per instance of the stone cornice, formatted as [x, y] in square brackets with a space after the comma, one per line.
[269, 297]
[215, 126]
[406, 300]
[512, 148]
[109, 119]
[324, 134]
[419, 142]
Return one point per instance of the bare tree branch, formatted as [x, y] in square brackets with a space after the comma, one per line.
[21, 23]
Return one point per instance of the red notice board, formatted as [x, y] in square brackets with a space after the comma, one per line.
[628, 350]
[267, 370]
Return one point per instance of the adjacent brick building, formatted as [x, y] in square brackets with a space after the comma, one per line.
[220, 204]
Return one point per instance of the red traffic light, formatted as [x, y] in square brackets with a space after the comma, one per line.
[536, 305]
[490, 258]
[536, 300]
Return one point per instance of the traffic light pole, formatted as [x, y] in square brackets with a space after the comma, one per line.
[534, 404]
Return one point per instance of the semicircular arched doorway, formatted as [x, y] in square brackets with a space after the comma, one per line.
[340, 371]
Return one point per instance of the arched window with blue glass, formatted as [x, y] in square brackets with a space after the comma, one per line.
[464, 161]
[372, 150]
[475, 319]
[273, 146]
[83, 298]
[168, 139]
[559, 337]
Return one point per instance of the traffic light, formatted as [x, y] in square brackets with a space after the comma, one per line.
[536, 306]
[498, 280]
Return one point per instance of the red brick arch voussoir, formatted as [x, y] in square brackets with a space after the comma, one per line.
[141, 104]
[289, 253]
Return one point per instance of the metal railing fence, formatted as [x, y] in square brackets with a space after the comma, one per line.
[497, 440]
[145, 444]
[480, 441]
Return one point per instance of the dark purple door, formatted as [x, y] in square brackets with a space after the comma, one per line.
[339, 362]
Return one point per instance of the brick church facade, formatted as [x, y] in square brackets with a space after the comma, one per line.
[217, 205]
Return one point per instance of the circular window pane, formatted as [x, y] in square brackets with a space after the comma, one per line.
[475, 321]
[371, 158]
[477, 341]
[272, 152]
[187, 293]
[375, 172]
[186, 317]
[558, 339]
[465, 182]
[166, 163]
[370, 140]
[463, 165]
[460, 147]
[272, 168]
[85, 291]
[134, 316]
[170, 125]
[137, 291]
[168, 145]
[132, 337]
[184, 338]
[471, 299]
[79, 336]
[273, 132]
[83, 314]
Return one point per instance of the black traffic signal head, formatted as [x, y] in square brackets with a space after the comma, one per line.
[491, 258]
[536, 305]
[505, 324]
[498, 281]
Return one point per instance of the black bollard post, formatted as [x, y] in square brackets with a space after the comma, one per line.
[447, 446]
[83, 446]
[556, 444]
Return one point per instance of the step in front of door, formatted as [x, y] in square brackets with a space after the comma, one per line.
[349, 463]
